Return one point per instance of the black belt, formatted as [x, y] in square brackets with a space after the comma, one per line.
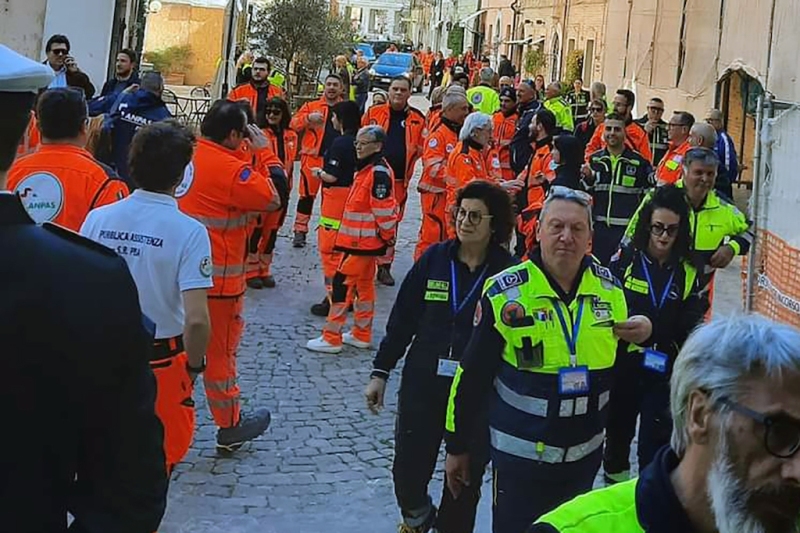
[166, 348]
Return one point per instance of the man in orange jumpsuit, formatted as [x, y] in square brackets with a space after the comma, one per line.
[427, 61]
[313, 121]
[635, 137]
[404, 126]
[534, 177]
[369, 226]
[222, 190]
[61, 182]
[670, 168]
[432, 187]
[283, 143]
[504, 125]
[258, 90]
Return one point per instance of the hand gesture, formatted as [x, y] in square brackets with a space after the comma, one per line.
[722, 257]
[257, 137]
[635, 330]
[456, 469]
[315, 118]
[71, 64]
[374, 394]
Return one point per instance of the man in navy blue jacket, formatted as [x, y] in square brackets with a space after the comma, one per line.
[132, 111]
[125, 76]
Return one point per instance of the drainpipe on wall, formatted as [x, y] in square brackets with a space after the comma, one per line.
[758, 176]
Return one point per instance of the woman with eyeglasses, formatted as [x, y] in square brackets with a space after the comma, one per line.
[659, 277]
[469, 161]
[584, 131]
[283, 142]
[433, 313]
[336, 175]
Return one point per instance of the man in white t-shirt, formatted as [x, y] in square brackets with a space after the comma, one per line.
[169, 256]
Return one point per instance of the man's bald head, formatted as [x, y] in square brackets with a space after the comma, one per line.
[703, 135]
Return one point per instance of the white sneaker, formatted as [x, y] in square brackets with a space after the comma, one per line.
[321, 345]
[348, 338]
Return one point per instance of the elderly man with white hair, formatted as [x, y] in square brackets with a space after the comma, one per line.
[484, 97]
[441, 141]
[732, 466]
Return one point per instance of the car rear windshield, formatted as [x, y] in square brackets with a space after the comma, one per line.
[394, 60]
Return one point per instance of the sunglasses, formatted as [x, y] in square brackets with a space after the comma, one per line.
[659, 229]
[274, 111]
[781, 436]
[473, 217]
[596, 109]
[59, 51]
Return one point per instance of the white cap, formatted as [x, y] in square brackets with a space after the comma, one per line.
[18, 74]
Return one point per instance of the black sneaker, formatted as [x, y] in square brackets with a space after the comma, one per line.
[249, 427]
[299, 239]
[322, 308]
[255, 283]
[385, 276]
[268, 281]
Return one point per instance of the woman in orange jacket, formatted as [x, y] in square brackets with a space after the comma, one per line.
[284, 144]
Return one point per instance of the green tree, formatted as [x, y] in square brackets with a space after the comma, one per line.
[304, 35]
[574, 69]
[534, 61]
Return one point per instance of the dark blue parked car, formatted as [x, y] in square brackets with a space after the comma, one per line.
[391, 64]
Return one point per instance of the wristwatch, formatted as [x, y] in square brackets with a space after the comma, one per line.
[317, 172]
[196, 369]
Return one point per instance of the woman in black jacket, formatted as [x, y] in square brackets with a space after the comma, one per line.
[659, 277]
[433, 314]
[567, 156]
[437, 72]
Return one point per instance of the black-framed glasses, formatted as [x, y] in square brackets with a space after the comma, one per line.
[473, 217]
[659, 229]
[596, 109]
[59, 51]
[273, 111]
[781, 435]
[363, 143]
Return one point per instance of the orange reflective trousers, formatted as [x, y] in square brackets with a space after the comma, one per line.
[309, 187]
[433, 228]
[174, 403]
[222, 391]
[400, 190]
[352, 283]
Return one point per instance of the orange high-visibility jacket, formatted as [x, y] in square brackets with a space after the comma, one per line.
[433, 119]
[290, 147]
[502, 133]
[30, 140]
[369, 220]
[312, 133]
[635, 138]
[427, 61]
[61, 183]
[536, 172]
[669, 169]
[465, 164]
[440, 143]
[221, 189]
[247, 91]
[414, 125]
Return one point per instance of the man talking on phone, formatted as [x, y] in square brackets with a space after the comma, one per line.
[65, 68]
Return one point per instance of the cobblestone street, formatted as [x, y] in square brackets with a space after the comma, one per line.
[325, 463]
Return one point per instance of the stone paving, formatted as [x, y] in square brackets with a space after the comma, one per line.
[325, 463]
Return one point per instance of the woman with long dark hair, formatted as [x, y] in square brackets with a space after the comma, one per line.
[567, 159]
[433, 314]
[284, 144]
[659, 276]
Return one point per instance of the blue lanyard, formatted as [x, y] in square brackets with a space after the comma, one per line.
[658, 304]
[572, 340]
[454, 288]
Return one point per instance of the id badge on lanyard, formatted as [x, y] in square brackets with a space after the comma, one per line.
[573, 379]
[447, 366]
[653, 359]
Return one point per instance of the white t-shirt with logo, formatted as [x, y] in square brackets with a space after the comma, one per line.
[167, 253]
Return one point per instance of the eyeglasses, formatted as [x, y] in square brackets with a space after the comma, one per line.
[473, 217]
[59, 51]
[781, 436]
[596, 109]
[363, 143]
[274, 111]
[560, 192]
[659, 229]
